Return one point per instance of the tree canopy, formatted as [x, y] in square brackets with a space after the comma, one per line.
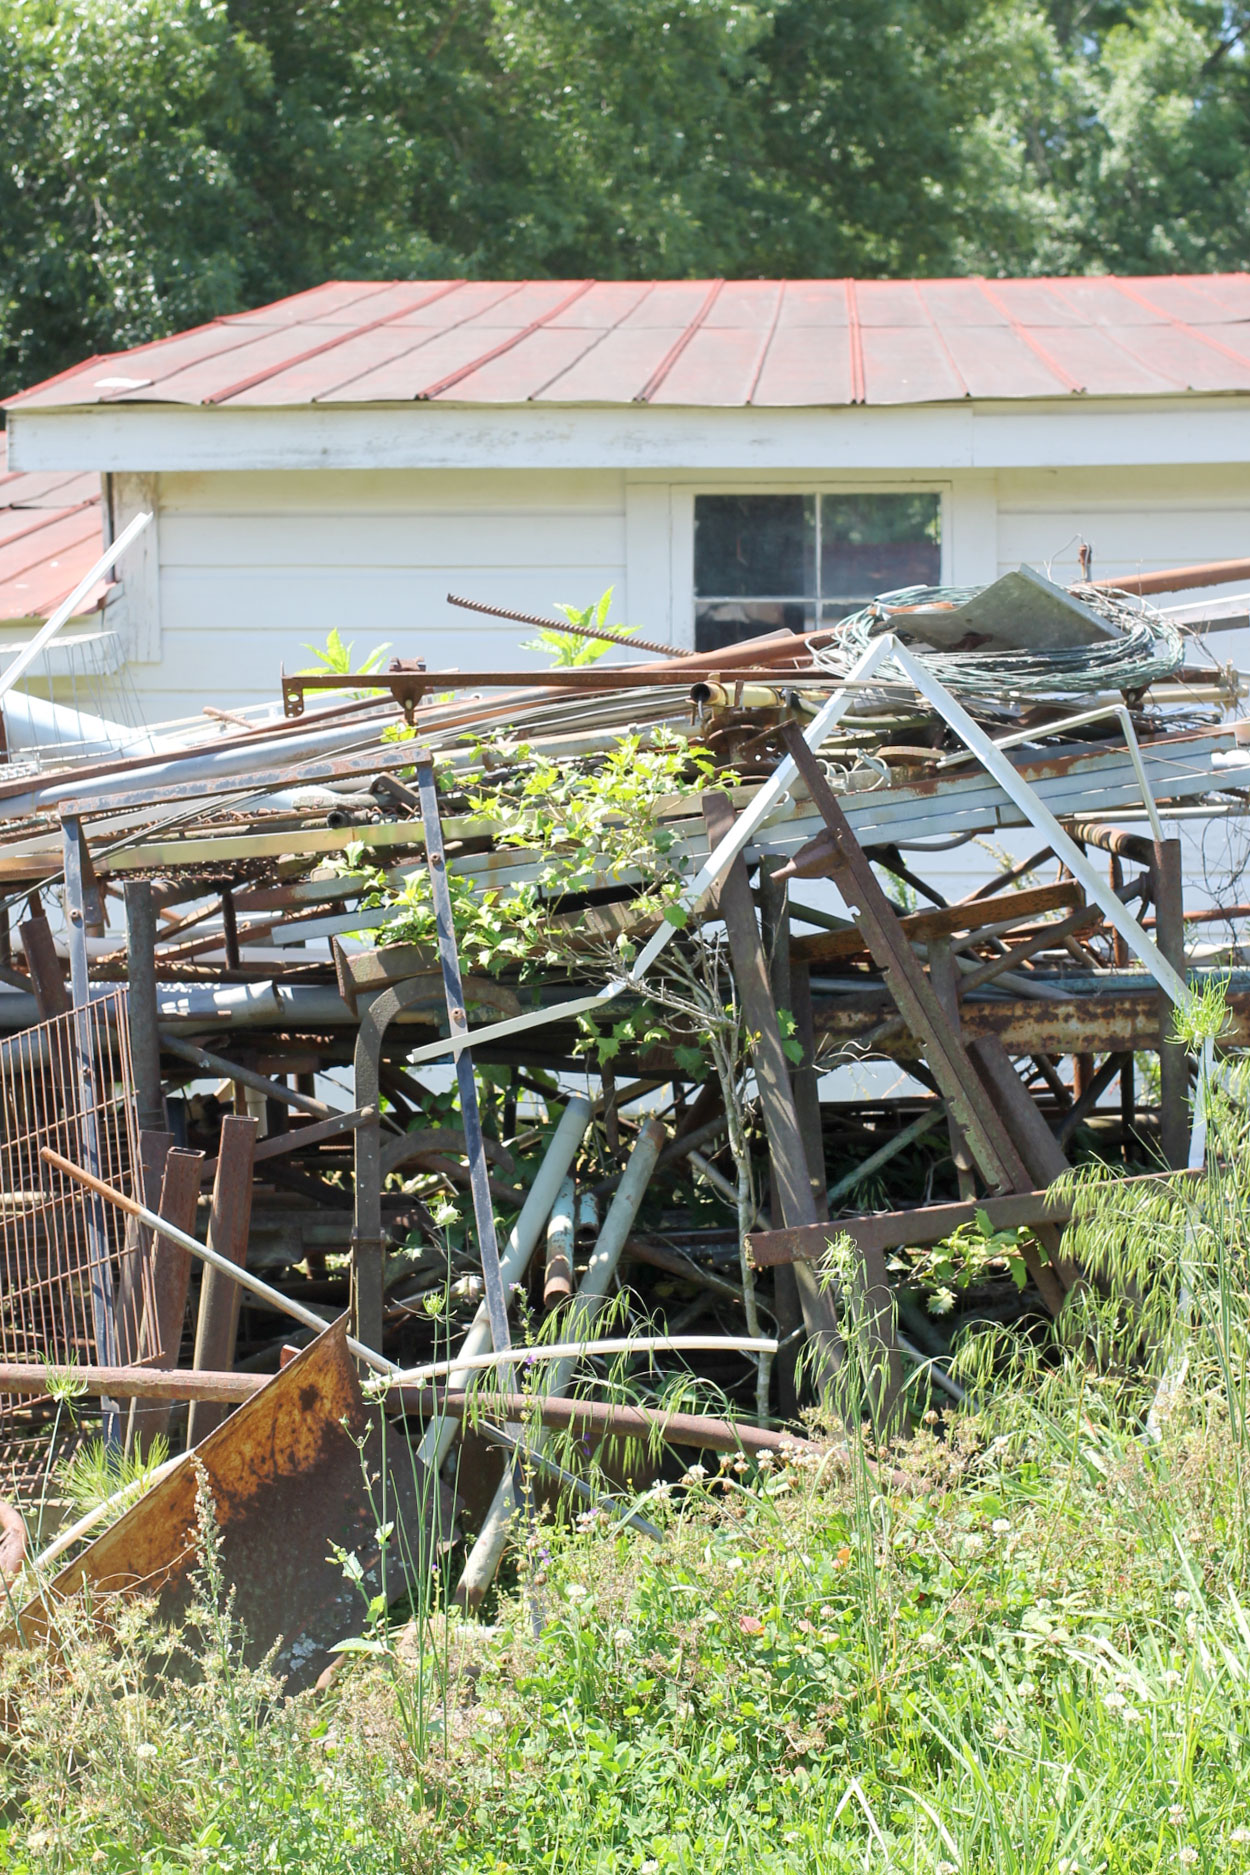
[164, 161]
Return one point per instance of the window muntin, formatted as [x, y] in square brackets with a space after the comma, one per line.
[770, 562]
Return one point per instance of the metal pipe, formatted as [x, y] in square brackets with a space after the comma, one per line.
[1119, 711]
[1178, 578]
[483, 1558]
[246, 1077]
[514, 1260]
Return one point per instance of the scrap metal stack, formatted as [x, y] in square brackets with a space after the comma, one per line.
[290, 902]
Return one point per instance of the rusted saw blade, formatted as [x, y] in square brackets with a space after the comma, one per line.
[288, 1477]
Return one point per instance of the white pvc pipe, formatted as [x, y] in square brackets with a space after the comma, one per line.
[67, 608]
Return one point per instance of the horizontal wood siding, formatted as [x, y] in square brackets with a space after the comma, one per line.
[255, 568]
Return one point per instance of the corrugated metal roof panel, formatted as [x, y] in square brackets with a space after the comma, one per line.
[694, 342]
[50, 535]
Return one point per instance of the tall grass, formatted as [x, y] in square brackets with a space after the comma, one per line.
[1020, 1642]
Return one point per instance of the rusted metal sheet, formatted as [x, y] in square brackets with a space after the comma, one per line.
[691, 343]
[288, 1482]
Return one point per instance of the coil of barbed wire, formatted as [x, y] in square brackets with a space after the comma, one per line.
[1149, 647]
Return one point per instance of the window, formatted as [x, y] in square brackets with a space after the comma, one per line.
[764, 563]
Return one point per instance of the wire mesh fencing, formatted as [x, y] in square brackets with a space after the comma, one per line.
[75, 1282]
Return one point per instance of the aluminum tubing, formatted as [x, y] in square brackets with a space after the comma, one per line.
[514, 1258]
[483, 1558]
[280, 753]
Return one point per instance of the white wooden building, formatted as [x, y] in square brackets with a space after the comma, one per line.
[345, 458]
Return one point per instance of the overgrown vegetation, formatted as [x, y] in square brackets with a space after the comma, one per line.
[1019, 1640]
[166, 161]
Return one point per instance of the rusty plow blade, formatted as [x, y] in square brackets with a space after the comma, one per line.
[287, 1472]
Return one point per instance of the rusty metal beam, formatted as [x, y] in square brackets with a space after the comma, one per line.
[890, 1230]
[217, 1326]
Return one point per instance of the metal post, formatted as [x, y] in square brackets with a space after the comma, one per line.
[457, 1016]
[1169, 896]
[171, 1277]
[787, 1156]
[141, 1004]
[217, 1326]
[103, 1305]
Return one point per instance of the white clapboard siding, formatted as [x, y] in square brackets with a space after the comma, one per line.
[256, 567]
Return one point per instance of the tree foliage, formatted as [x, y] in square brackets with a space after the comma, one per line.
[164, 161]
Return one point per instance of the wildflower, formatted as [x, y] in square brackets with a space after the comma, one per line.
[490, 1715]
[1176, 1815]
[146, 1750]
[661, 1488]
[928, 1639]
[1000, 1526]
[623, 1637]
[1172, 1679]
[694, 1474]
[1240, 1835]
[739, 1464]
[576, 1591]
[1114, 1701]
[1181, 1599]
[766, 1461]
[1187, 1855]
[1000, 1729]
[973, 1545]
[946, 1868]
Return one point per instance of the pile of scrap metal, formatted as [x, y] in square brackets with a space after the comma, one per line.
[177, 1181]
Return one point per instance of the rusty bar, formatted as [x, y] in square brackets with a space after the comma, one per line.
[1169, 896]
[924, 926]
[913, 994]
[35, 1380]
[791, 1181]
[890, 1230]
[244, 1077]
[783, 972]
[52, 998]
[217, 1326]
[1095, 1088]
[136, 1259]
[298, 1137]
[171, 1278]
[944, 975]
[1178, 578]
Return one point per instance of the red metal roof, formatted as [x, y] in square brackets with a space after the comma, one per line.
[692, 342]
[50, 535]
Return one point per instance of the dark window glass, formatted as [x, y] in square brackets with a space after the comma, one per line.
[755, 546]
[761, 560]
[732, 621]
[875, 543]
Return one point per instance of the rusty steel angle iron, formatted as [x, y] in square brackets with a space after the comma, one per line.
[914, 995]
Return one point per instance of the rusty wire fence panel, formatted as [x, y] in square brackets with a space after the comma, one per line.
[74, 1285]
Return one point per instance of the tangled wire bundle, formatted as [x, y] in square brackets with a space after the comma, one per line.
[1149, 647]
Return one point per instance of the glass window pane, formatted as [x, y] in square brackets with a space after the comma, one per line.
[755, 546]
[874, 543]
[716, 626]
